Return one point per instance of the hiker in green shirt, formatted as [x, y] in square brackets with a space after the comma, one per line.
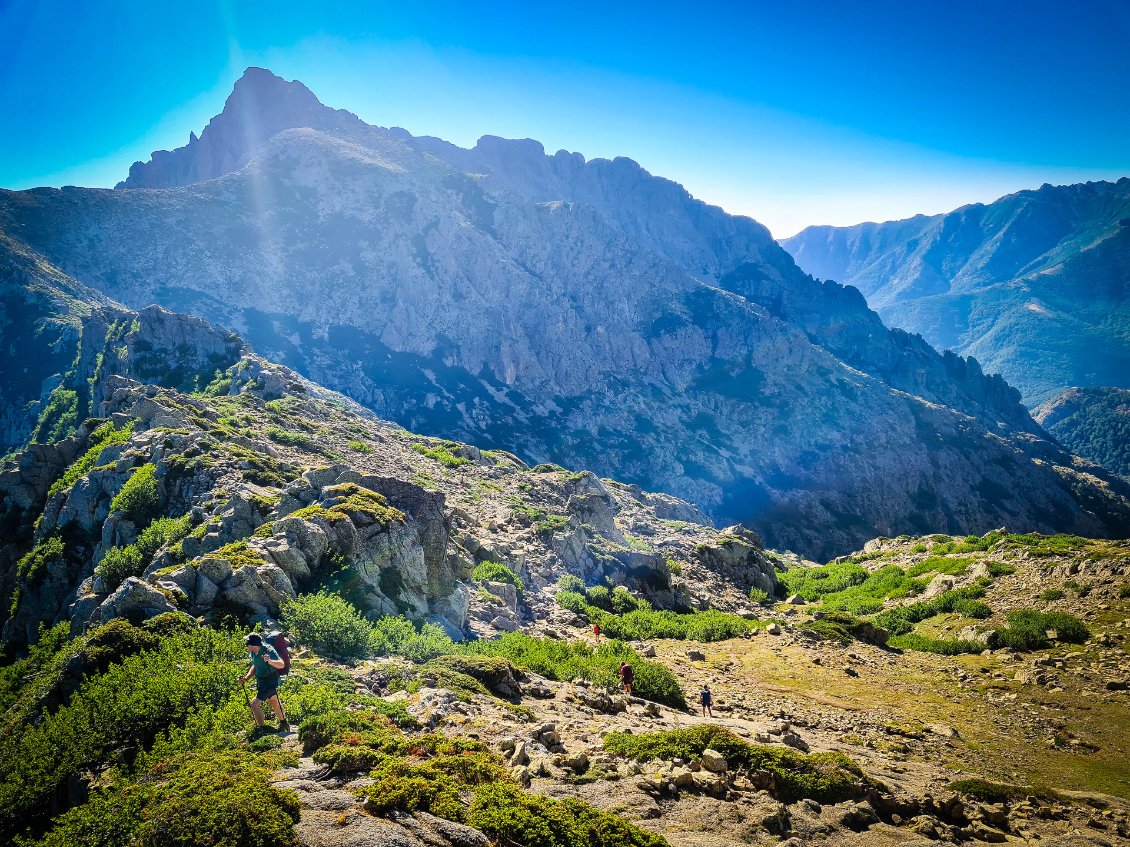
[265, 667]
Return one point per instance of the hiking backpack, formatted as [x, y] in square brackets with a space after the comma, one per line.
[278, 641]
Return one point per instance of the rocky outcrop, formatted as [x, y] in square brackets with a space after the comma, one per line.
[251, 500]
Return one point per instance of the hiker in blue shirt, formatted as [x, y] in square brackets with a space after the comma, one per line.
[266, 667]
[707, 700]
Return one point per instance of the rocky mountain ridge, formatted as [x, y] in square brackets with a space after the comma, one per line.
[585, 313]
[1035, 284]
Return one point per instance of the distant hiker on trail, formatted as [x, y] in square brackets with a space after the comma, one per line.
[627, 677]
[266, 667]
[596, 631]
[707, 700]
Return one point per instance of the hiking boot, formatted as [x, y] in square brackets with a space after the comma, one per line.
[284, 726]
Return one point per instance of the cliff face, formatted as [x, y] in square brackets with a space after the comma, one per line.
[1035, 285]
[586, 313]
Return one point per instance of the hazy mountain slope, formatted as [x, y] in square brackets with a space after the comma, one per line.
[1093, 423]
[586, 313]
[1036, 285]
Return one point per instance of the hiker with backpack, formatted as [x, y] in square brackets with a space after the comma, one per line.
[267, 667]
[627, 677]
[707, 700]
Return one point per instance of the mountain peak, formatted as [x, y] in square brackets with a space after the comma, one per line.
[260, 106]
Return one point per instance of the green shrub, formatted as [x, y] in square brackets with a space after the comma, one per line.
[1051, 594]
[190, 800]
[844, 627]
[360, 447]
[327, 623]
[954, 566]
[161, 533]
[942, 646]
[138, 498]
[496, 572]
[118, 563]
[132, 702]
[972, 608]
[825, 777]
[507, 815]
[288, 438]
[758, 596]
[568, 582]
[1000, 569]
[31, 568]
[600, 596]
[551, 524]
[814, 583]
[1124, 591]
[571, 600]
[1038, 544]
[901, 619]
[399, 637]
[1027, 629]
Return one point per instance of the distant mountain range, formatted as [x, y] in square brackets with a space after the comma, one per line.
[583, 313]
[1036, 285]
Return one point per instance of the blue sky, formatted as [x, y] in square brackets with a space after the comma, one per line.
[793, 113]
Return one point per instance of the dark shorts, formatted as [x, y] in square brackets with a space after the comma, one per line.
[266, 687]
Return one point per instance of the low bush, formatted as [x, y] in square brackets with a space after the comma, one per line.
[399, 637]
[568, 582]
[1027, 629]
[139, 495]
[942, 646]
[901, 619]
[132, 702]
[758, 596]
[118, 563]
[814, 583]
[507, 815]
[442, 454]
[496, 572]
[844, 627]
[1051, 594]
[327, 623]
[188, 800]
[825, 777]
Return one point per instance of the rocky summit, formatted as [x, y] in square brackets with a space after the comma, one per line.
[587, 314]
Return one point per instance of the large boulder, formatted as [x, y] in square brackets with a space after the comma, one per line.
[134, 597]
